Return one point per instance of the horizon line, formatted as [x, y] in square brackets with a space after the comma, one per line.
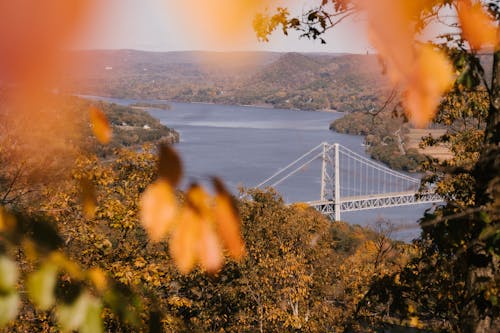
[217, 51]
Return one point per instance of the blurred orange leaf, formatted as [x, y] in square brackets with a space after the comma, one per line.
[210, 252]
[100, 125]
[222, 23]
[478, 28]
[228, 221]
[197, 236]
[31, 34]
[423, 71]
[199, 228]
[170, 166]
[158, 209]
[185, 240]
[199, 200]
[432, 76]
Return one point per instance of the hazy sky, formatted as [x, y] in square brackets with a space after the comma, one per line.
[168, 25]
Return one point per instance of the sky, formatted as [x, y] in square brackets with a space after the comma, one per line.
[213, 25]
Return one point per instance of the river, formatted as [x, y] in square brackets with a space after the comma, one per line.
[244, 145]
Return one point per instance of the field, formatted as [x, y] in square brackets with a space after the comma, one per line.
[440, 152]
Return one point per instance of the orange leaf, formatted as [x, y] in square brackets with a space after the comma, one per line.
[199, 200]
[431, 77]
[228, 221]
[423, 72]
[169, 166]
[210, 253]
[158, 209]
[478, 28]
[100, 125]
[184, 241]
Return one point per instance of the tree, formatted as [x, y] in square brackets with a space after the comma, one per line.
[425, 74]
[302, 273]
[84, 249]
[469, 222]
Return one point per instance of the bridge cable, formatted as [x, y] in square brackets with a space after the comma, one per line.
[380, 167]
[294, 171]
[288, 166]
[377, 166]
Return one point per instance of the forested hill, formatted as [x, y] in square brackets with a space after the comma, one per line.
[309, 81]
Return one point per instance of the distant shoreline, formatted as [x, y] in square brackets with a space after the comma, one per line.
[136, 100]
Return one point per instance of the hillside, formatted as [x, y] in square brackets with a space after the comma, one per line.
[306, 81]
[132, 127]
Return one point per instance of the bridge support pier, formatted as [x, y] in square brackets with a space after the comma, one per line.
[330, 177]
[324, 172]
[337, 182]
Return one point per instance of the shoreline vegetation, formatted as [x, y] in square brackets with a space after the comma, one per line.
[386, 139]
[132, 127]
[391, 141]
[166, 104]
[144, 105]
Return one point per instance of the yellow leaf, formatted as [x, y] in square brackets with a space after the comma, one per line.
[300, 206]
[8, 274]
[100, 125]
[140, 262]
[98, 278]
[40, 286]
[478, 28]
[414, 322]
[158, 209]
[9, 305]
[184, 240]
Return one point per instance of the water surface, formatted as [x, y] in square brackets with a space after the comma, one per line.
[244, 145]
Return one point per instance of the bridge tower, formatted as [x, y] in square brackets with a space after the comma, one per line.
[330, 177]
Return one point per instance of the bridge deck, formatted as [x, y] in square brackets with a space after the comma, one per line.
[355, 203]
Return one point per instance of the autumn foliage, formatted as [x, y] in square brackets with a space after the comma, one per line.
[197, 229]
[89, 244]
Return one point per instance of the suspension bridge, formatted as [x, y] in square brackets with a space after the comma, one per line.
[352, 182]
